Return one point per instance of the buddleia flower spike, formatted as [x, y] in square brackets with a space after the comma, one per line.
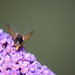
[19, 62]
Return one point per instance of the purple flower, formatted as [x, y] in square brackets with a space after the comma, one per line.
[19, 62]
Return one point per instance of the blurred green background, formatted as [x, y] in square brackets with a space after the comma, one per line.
[53, 42]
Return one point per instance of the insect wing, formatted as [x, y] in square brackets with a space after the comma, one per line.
[12, 30]
[27, 35]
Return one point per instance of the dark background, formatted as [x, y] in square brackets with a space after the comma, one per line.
[53, 21]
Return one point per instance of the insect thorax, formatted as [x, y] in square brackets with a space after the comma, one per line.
[19, 39]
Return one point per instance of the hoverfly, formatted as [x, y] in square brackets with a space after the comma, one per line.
[17, 37]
